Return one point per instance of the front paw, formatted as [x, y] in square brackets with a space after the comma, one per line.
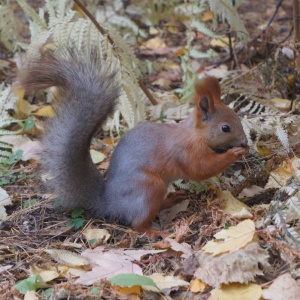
[237, 152]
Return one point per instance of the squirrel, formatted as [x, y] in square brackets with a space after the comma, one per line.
[147, 158]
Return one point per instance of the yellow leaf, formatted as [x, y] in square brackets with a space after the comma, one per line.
[232, 239]
[223, 42]
[237, 291]
[281, 104]
[67, 258]
[207, 16]
[231, 205]
[123, 290]
[46, 111]
[47, 274]
[197, 286]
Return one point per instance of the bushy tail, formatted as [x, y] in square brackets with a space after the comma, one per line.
[87, 94]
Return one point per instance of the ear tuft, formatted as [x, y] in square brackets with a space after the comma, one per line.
[209, 87]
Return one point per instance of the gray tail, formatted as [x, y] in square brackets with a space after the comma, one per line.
[87, 95]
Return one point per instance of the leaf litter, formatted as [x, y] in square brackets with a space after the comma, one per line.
[210, 254]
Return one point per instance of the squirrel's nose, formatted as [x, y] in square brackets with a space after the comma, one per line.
[244, 144]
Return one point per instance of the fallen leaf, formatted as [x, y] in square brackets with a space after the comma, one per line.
[230, 204]
[167, 283]
[232, 239]
[97, 157]
[198, 286]
[154, 43]
[31, 295]
[285, 286]
[241, 266]
[250, 192]
[236, 291]
[46, 111]
[282, 174]
[124, 290]
[207, 16]
[185, 248]
[222, 42]
[281, 104]
[67, 258]
[96, 236]
[167, 215]
[31, 150]
[242, 214]
[47, 274]
[4, 200]
[106, 264]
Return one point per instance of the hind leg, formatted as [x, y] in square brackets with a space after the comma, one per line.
[153, 190]
[173, 198]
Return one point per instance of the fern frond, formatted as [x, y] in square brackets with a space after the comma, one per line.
[282, 134]
[8, 28]
[201, 27]
[31, 13]
[194, 53]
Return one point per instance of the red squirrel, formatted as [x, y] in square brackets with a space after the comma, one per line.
[147, 158]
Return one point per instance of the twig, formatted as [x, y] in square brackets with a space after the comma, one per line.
[105, 33]
[296, 21]
[275, 13]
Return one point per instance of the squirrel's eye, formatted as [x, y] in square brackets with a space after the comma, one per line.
[225, 128]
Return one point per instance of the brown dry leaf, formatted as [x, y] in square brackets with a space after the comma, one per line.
[46, 111]
[106, 264]
[167, 215]
[96, 236]
[231, 205]
[125, 291]
[180, 247]
[236, 291]
[241, 266]
[181, 229]
[167, 283]
[197, 286]
[233, 239]
[285, 286]
[67, 258]
[207, 16]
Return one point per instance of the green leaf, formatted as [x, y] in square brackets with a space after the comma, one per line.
[77, 212]
[30, 284]
[132, 279]
[95, 291]
[77, 223]
[29, 123]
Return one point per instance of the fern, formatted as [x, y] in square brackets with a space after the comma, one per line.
[8, 28]
[7, 102]
[65, 28]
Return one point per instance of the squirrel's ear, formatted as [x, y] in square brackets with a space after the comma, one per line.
[204, 108]
[207, 94]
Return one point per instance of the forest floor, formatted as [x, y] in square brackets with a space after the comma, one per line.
[237, 237]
